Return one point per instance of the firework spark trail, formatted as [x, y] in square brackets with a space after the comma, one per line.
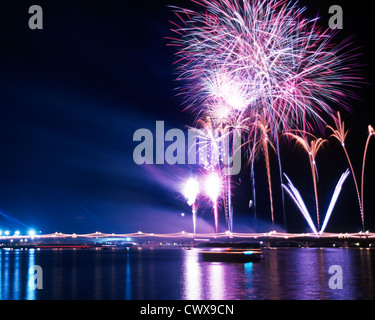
[295, 195]
[334, 198]
[281, 179]
[252, 177]
[371, 132]
[238, 60]
[265, 143]
[216, 215]
[194, 212]
[213, 185]
[216, 144]
[340, 134]
[312, 150]
[267, 160]
[229, 197]
[190, 191]
[211, 144]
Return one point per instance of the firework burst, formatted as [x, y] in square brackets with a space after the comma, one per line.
[191, 191]
[239, 59]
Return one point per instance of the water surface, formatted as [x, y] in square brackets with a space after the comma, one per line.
[294, 273]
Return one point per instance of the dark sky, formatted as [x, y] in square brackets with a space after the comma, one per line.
[73, 94]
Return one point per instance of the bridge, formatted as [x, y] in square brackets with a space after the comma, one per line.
[267, 239]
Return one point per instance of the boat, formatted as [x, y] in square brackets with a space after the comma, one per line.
[232, 255]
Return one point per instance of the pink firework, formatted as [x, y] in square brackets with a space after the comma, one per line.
[191, 191]
[239, 59]
[214, 185]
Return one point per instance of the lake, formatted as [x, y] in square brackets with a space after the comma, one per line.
[177, 274]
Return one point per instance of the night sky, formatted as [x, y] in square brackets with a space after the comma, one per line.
[73, 94]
